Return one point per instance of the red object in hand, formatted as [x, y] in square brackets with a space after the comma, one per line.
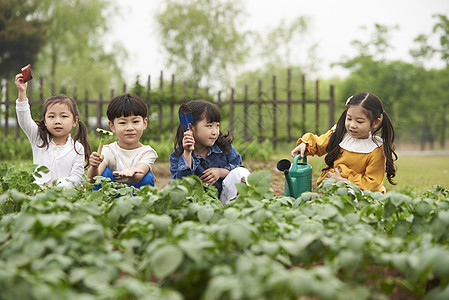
[26, 72]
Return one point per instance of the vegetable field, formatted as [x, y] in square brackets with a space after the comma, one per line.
[180, 242]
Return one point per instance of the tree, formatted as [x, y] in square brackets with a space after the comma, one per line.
[443, 28]
[21, 36]
[74, 53]
[202, 38]
[285, 46]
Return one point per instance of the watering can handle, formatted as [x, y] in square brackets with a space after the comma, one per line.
[295, 161]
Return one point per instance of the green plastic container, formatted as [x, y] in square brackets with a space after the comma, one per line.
[299, 178]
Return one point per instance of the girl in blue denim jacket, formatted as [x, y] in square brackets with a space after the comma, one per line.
[213, 159]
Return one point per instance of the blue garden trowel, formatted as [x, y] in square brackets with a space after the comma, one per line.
[185, 118]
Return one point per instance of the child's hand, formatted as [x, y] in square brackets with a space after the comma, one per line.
[95, 159]
[211, 175]
[129, 172]
[301, 148]
[188, 140]
[21, 87]
[336, 175]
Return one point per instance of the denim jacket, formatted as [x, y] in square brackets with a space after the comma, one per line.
[215, 158]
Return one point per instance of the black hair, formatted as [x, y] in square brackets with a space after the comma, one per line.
[126, 105]
[203, 109]
[80, 135]
[374, 110]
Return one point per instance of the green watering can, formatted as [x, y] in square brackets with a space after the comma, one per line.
[298, 176]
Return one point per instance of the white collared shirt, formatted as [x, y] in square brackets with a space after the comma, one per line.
[64, 163]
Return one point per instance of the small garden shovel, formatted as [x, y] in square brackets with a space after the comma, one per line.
[185, 118]
[104, 134]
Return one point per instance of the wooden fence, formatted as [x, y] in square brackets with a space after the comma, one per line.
[252, 116]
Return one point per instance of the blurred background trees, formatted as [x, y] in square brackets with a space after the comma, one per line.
[205, 42]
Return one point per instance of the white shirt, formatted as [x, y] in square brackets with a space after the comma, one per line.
[64, 163]
[117, 158]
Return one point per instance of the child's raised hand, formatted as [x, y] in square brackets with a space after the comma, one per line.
[301, 148]
[211, 175]
[21, 87]
[188, 140]
[129, 172]
[95, 159]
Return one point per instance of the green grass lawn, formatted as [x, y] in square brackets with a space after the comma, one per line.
[418, 174]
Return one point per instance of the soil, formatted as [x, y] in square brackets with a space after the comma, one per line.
[161, 171]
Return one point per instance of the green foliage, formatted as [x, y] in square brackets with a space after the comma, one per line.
[15, 149]
[21, 36]
[202, 37]
[285, 46]
[415, 98]
[182, 243]
[65, 38]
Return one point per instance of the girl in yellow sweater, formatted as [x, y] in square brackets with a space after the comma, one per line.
[354, 150]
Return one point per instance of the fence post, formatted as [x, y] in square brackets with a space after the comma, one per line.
[289, 104]
[303, 93]
[7, 109]
[41, 88]
[17, 120]
[231, 112]
[245, 115]
[161, 89]
[259, 109]
[317, 109]
[86, 107]
[274, 114]
[148, 98]
[331, 107]
[172, 103]
[99, 110]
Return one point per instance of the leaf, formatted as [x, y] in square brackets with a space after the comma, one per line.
[240, 234]
[389, 209]
[161, 223]
[329, 211]
[166, 260]
[71, 193]
[205, 213]
[177, 196]
[423, 208]
[397, 199]
[261, 178]
[349, 260]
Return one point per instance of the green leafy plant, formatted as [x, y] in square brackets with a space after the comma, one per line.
[181, 242]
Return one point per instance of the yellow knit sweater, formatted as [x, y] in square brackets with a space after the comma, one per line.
[362, 168]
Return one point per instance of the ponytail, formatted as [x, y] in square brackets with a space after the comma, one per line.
[81, 135]
[389, 147]
[333, 147]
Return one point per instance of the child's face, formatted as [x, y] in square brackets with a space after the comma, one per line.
[357, 123]
[59, 121]
[206, 133]
[129, 130]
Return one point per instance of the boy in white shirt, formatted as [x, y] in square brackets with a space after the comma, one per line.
[127, 160]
